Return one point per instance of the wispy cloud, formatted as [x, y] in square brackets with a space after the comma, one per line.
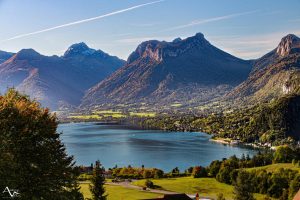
[82, 21]
[208, 20]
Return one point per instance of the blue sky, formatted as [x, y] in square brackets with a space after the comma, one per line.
[247, 29]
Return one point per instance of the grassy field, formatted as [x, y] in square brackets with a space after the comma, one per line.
[119, 193]
[275, 167]
[110, 113]
[208, 187]
[176, 105]
[84, 117]
[143, 114]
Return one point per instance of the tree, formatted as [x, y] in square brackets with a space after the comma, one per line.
[75, 193]
[147, 174]
[242, 188]
[199, 172]
[175, 171]
[278, 183]
[284, 195]
[189, 170]
[284, 154]
[98, 181]
[158, 173]
[214, 167]
[224, 175]
[33, 159]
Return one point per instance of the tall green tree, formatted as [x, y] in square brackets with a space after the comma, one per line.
[33, 160]
[98, 180]
[243, 186]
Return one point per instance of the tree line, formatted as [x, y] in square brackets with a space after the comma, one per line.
[276, 122]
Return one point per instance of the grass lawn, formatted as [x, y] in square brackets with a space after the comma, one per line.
[275, 167]
[208, 187]
[119, 193]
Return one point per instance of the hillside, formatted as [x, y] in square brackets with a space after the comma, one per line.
[188, 71]
[275, 74]
[57, 81]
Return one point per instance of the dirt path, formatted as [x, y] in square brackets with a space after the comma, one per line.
[129, 185]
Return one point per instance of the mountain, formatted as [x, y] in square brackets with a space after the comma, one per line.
[57, 81]
[274, 75]
[188, 71]
[4, 56]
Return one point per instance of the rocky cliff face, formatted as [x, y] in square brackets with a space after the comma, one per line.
[288, 45]
[275, 74]
[188, 70]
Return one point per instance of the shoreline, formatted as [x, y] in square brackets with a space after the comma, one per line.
[231, 142]
[221, 140]
[225, 141]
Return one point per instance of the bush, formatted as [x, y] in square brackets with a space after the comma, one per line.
[149, 184]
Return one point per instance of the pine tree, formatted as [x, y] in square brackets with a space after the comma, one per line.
[75, 193]
[98, 180]
[243, 187]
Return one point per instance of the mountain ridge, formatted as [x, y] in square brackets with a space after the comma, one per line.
[56, 81]
[164, 71]
[5, 56]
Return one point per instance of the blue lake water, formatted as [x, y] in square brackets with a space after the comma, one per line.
[114, 144]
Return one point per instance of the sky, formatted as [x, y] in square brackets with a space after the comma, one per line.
[246, 29]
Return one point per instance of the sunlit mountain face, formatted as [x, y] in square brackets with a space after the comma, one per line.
[188, 71]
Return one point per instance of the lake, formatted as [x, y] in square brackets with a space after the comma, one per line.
[115, 144]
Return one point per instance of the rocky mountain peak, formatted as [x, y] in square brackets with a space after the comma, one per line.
[27, 54]
[199, 35]
[177, 40]
[79, 49]
[144, 50]
[288, 44]
[158, 50]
